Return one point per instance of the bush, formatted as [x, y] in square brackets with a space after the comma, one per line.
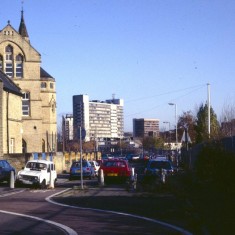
[216, 167]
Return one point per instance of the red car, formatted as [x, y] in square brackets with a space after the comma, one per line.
[115, 169]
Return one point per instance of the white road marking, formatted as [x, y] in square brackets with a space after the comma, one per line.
[181, 230]
[11, 193]
[65, 228]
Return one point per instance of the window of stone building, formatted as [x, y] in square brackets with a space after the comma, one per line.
[9, 61]
[43, 146]
[19, 66]
[43, 85]
[24, 146]
[1, 62]
[51, 85]
[26, 104]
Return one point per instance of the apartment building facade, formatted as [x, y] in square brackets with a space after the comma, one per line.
[98, 119]
[143, 127]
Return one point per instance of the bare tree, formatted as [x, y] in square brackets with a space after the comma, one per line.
[228, 112]
[227, 118]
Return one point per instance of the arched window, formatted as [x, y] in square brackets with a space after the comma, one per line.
[24, 146]
[26, 104]
[43, 85]
[43, 146]
[1, 62]
[19, 66]
[9, 61]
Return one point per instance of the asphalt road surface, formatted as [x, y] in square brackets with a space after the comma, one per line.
[26, 211]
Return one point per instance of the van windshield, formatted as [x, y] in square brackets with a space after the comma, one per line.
[36, 166]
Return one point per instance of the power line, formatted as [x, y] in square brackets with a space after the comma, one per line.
[156, 106]
[165, 93]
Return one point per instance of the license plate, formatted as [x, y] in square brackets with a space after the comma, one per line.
[78, 171]
[112, 174]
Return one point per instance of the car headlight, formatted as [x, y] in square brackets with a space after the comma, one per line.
[36, 178]
[19, 176]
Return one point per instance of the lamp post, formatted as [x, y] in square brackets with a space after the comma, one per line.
[80, 135]
[176, 134]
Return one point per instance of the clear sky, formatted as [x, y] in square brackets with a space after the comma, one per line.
[147, 52]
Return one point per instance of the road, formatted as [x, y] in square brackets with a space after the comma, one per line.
[26, 211]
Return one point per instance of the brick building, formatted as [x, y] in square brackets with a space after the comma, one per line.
[143, 127]
[37, 110]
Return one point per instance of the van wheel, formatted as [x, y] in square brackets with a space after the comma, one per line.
[43, 184]
[55, 182]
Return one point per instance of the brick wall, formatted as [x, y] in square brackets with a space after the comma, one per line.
[62, 160]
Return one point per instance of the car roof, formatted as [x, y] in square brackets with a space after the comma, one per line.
[159, 160]
[115, 159]
[41, 161]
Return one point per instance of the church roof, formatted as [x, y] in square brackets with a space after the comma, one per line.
[22, 29]
[45, 75]
[9, 85]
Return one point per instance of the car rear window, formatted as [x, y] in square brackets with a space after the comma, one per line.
[114, 164]
[160, 165]
[78, 164]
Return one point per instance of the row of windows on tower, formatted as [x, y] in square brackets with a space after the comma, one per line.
[10, 64]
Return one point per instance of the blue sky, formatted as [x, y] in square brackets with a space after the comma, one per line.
[147, 52]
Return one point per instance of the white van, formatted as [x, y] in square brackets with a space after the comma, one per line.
[41, 173]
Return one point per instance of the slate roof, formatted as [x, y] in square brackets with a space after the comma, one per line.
[9, 85]
[45, 75]
[22, 29]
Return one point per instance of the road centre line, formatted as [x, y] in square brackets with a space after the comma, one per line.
[181, 230]
[65, 228]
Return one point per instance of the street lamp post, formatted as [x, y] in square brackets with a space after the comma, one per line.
[80, 130]
[176, 133]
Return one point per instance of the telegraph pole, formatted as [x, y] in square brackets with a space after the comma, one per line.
[209, 109]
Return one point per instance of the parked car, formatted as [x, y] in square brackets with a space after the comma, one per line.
[95, 166]
[157, 168]
[133, 157]
[115, 169]
[37, 173]
[5, 171]
[87, 170]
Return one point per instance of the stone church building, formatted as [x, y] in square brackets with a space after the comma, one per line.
[27, 96]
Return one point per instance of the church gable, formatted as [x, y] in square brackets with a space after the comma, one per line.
[9, 35]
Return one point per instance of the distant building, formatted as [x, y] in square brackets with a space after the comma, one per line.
[67, 125]
[98, 119]
[143, 127]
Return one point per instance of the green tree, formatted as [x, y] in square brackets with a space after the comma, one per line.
[201, 125]
[152, 142]
[187, 119]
